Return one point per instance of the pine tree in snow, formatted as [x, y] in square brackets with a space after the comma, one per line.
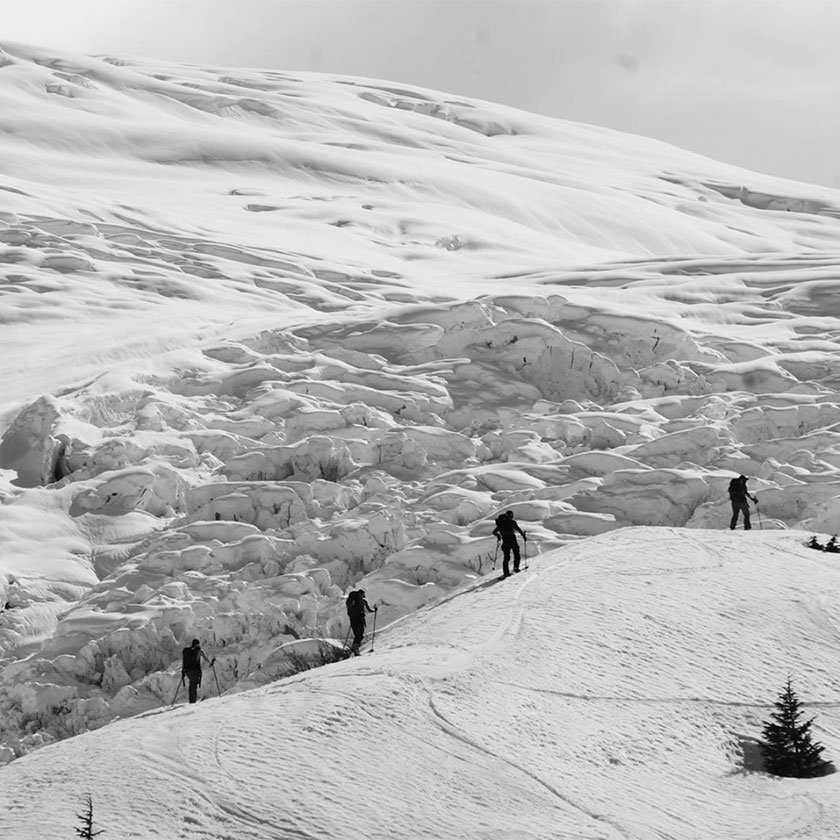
[788, 747]
[85, 831]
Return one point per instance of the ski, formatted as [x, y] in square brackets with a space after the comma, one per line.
[513, 573]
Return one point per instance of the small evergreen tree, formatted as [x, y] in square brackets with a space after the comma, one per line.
[788, 747]
[815, 543]
[832, 546]
[85, 831]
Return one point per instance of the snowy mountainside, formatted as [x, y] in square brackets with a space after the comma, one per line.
[615, 689]
[269, 335]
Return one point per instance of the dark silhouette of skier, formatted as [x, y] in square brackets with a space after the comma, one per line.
[191, 667]
[505, 533]
[738, 495]
[356, 607]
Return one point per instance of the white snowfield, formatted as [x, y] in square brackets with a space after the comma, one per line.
[268, 336]
[614, 689]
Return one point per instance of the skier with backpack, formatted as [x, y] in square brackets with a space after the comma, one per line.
[357, 605]
[191, 667]
[738, 495]
[505, 533]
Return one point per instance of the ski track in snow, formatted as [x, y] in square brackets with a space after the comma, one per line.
[270, 336]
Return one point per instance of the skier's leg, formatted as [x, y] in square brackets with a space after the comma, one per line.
[746, 511]
[505, 558]
[734, 521]
[358, 625]
[193, 687]
[515, 548]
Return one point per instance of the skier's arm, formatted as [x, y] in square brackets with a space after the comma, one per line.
[496, 534]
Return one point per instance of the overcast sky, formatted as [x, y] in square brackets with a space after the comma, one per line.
[751, 82]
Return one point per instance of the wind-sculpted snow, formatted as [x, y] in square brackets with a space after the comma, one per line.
[614, 689]
[269, 336]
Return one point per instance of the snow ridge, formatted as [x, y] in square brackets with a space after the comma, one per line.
[599, 694]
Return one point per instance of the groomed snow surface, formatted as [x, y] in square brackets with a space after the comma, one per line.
[269, 336]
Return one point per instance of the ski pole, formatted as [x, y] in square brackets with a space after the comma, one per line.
[760, 523]
[347, 637]
[177, 689]
[373, 631]
[218, 687]
[496, 554]
[524, 547]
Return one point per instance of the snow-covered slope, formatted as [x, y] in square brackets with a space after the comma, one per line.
[268, 335]
[222, 193]
[615, 689]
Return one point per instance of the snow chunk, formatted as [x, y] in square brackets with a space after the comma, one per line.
[223, 532]
[28, 446]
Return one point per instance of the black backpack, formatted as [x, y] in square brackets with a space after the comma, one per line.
[504, 526]
[354, 603]
[191, 658]
[735, 489]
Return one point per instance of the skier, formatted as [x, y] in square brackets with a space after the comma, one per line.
[191, 667]
[356, 606]
[738, 495]
[505, 533]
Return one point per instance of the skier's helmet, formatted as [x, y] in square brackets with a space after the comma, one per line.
[196, 643]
